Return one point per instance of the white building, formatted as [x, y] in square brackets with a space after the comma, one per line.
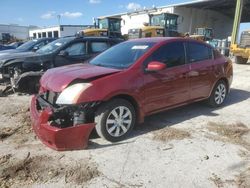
[56, 31]
[202, 13]
[17, 31]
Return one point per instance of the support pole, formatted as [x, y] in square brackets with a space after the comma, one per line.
[237, 19]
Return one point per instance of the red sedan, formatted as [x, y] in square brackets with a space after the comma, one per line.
[121, 86]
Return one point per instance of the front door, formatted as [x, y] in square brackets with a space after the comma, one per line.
[74, 53]
[169, 87]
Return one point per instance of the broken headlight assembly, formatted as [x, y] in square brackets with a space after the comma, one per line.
[71, 93]
[66, 112]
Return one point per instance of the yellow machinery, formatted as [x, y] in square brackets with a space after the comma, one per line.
[241, 51]
[106, 26]
[95, 32]
[160, 25]
[203, 34]
[146, 31]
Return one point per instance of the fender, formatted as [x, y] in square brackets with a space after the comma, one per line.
[13, 61]
[32, 66]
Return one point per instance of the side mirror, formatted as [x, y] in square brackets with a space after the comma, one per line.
[155, 66]
[35, 48]
[63, 53]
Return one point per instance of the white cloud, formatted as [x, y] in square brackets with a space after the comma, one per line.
[133, 6]
[94, 1]
[48, 15]
[71, 14]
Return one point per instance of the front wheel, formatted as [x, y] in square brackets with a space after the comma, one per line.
[115, 119]
[218, 94]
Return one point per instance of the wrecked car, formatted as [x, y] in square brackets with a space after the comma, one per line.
[24, 70]
[124, 84]
[31, 45]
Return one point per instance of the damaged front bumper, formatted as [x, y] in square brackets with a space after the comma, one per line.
[69, 138]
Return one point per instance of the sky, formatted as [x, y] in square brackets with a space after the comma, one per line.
[45, 12]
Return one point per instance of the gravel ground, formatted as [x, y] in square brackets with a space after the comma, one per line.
[192, 146]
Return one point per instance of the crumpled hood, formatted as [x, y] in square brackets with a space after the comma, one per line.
[10, 51]
[27, 57]
[57, 79]
[11, 56]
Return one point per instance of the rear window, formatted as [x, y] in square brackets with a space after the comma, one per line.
[199, 52]
[217, 54]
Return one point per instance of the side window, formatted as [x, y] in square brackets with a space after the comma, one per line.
[173, 54]
[76, 49]
[39, 45]
[99, 46]
[198, 52]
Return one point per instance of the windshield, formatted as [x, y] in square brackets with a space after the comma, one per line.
[103, 24]
[122, 55]
[53, 46]
[28, 45]
[115, 25]
[158, 20]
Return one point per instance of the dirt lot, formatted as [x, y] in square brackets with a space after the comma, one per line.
[193, 146]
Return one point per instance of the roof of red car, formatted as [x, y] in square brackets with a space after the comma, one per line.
[156, 39]
[161, 39]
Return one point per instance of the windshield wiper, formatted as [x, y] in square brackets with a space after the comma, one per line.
[108, 66]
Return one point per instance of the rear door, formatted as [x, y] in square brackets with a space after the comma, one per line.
[200, 59]
[168, 87]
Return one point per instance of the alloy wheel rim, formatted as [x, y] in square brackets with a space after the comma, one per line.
[119, 121]
[220, 94]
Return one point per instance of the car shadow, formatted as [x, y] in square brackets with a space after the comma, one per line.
[181, 114]
[172, 117]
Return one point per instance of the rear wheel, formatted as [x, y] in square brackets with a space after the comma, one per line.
[218, 94]
[240, 60]
[115, 120]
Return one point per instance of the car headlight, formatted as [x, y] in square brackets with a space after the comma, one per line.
[71, 93]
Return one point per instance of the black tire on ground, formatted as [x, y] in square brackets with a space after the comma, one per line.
[107, 124]
[219, 94]
[240, 60]
[31, 85]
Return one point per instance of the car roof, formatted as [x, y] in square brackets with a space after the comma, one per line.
[98, 38]
[165, 39]
[92, 38]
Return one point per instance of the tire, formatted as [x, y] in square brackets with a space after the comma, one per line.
[219, 94]
[240, 60]
[110, 125]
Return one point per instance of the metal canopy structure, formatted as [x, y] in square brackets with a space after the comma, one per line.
[226, 7]
[237, 9]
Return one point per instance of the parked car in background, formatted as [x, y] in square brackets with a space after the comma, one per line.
[124, 84]
[3, 47]
[31, 45]
[24, 71]
[14, 45]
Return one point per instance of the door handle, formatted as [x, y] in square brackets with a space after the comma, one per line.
[193, 74]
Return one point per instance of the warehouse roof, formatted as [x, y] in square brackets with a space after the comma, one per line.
[226, 7]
